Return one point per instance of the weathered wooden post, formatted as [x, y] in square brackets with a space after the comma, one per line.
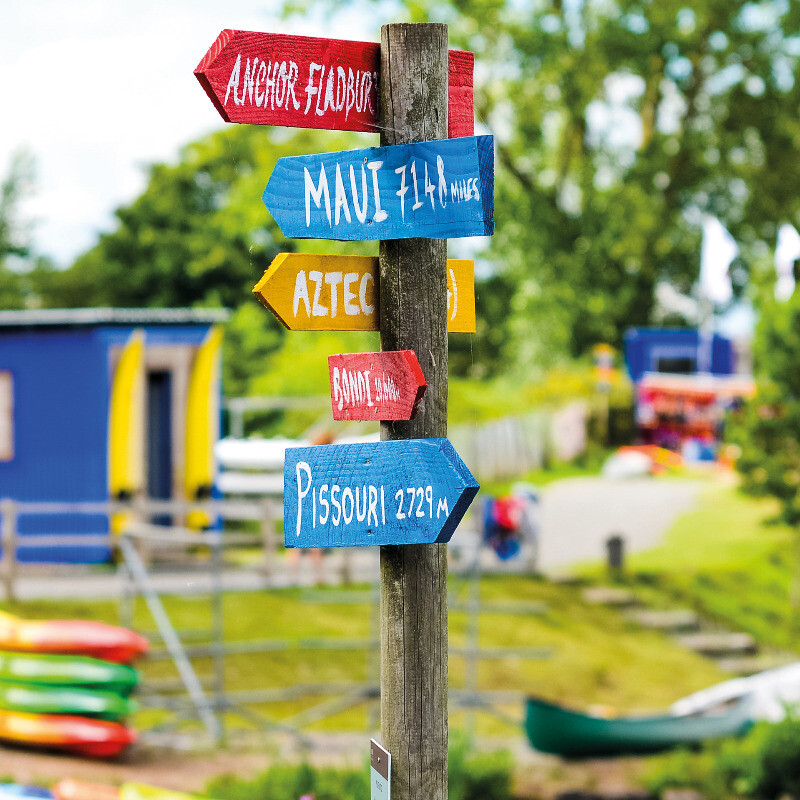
[413, 315]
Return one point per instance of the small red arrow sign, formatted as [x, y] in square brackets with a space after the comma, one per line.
[306, 82]
[376, 386]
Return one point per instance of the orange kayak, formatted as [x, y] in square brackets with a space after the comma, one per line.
[90, 737]
[71, 637]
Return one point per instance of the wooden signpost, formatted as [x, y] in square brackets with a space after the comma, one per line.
[376, 386]
[410, 491]
[431, 189]
[305, 82]
[341, 293]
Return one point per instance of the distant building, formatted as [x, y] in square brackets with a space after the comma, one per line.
[105, 403]
[677, 351]
[685, 384]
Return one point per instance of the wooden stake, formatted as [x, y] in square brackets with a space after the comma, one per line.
[413, 315]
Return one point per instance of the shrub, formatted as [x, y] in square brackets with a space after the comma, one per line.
[472, 776]
[764, 765]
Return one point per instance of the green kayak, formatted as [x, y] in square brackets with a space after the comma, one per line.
[64, 700]
[554, 729]
[77, 671]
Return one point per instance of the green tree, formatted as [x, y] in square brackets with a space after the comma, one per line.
[199, 235]
[14, 233]
[617, 124]
[768, 429]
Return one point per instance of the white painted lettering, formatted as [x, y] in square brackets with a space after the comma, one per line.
[317, 310]
[301, 293]
[380, 214]
[361, 212]
[361, 514]
[233, 82]
[340, 198]
[337, 388]
[291, 80]
[370, 404]
[262, 74]
[320, 112]
[323, 490]
[341, 88]
[430, 189]
[316, 193]
[442, 182]
[351, 94]
[336, 515]
[350, 308]
[311, 90]
[417, 201]
[401, 192]
[362, 294]
[333, 279]
[280, 84]
[330, 102]
[249, 80]
[373, 505]
[301, 493]
[347, 492]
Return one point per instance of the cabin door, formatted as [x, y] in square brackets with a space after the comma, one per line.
[159, 439]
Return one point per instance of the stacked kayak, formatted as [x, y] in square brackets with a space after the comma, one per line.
[69, 789]
[56, 693]
[72, 636]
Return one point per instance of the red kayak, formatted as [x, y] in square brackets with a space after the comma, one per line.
[88, 737]
[71, 637]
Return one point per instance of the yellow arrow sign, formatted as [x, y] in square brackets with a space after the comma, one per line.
[340, 293]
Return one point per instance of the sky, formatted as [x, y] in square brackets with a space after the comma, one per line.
[95, 90]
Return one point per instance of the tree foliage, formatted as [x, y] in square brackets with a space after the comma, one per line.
[14, 233]
[198, 235]
[617, 125]
[768, 429]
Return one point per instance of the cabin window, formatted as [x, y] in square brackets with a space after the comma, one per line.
[6, 416]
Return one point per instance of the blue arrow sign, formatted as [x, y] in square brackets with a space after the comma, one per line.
[410, 491]
[437, 190]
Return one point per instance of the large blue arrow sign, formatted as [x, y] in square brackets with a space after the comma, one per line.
[437, 190]
[411, 491]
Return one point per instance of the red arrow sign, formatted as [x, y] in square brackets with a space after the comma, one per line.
[305, 82]
[375, 386]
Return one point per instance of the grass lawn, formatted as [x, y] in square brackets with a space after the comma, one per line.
[597, 656]
[728, 560]
[725, 558]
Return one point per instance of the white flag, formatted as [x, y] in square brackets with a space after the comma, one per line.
[717, 252]
[787, 251]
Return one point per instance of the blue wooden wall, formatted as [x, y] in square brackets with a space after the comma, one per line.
[61, 384]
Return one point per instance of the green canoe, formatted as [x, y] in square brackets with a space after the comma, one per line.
[554, 729]
[64, 700]
[77, 671]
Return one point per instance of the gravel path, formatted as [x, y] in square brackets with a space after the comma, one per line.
[579, 514]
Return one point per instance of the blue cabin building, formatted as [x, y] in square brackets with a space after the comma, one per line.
[682, 351]
[99, 404]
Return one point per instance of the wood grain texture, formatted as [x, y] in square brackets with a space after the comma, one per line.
[340, 293]
[433, 189]
[413, 303]
[375, 386]
[308, 82]
[411, 491]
